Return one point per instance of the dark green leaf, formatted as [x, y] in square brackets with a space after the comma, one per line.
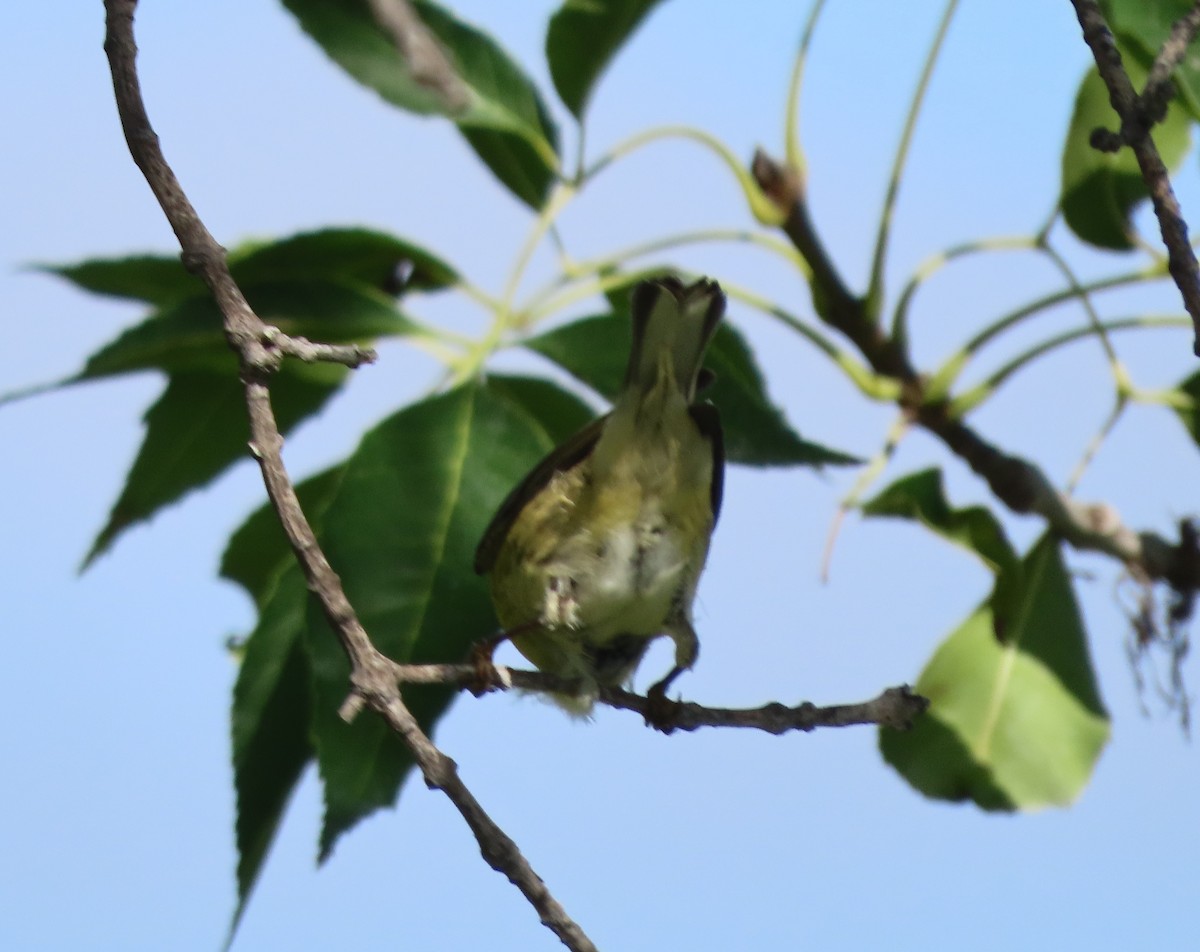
[503, 118]
[1190, 415]
[1015, 723]
[1100, 190]
[402, 529]
[596, 349]
[921, 497]
[583, 37]
[161, 280]
[258, 550]
[197, 429]
[756, 432]
[272, 709]
[190, 335]
[559, 413]
[1142, 26]
[345, 255]
[340, 255]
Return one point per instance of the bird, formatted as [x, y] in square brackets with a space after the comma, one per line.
[599, 549]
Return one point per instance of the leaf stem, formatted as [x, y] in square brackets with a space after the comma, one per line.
[879, 259]
[934, 263]
[967, 401]
[867, 478]
[793, 150]
[543, 303]
[1093, 447]
[1038, 305]
[869, 383]
[762, 207]
[1119, 373]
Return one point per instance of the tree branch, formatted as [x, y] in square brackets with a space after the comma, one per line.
[1138, 115]
[260, 350]
[1016, 482]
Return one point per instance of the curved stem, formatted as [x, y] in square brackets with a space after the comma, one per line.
[976, 395]
[879, 260]
[867, 478]
[478, 295]
[1013, 318]
[739, 235]
[934, 263]
[473, 359]
[542, 302]
[1096, 442]
[791, 130]
[869, 383]
[762, 207]
[561, 196]
[1120, 376]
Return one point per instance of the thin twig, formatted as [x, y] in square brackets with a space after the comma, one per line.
[259, 352]
[1136, 122]
[1157, 91]
[896, 707]
[1016, 482]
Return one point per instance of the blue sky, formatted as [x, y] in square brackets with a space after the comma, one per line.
[117, 683]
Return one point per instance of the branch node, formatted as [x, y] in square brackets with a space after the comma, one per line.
[1105, 140]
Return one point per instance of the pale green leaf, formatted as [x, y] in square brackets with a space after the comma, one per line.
[1013, 723]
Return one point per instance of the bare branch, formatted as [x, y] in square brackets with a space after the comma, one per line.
[1138, 115]
[1157, 91]
[895, 707]
[1018, 483]
[259, 351]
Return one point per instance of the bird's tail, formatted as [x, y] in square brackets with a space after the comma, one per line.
[672, 325]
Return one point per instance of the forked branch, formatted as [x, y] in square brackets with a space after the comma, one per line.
[259, 351]
[1138, 114]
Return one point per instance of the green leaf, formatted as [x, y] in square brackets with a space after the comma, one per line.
[190, 335]
[197, 429]
[503, 117]
[1189, 416]
[921, 497]
[559, 414]
[583, 37]
[355, 255]
[272, 708]
[595, 350]
[161, 280]
[1012, 724]
[1100, 190]
[348, 255]
[756, 432]
[413, 502]
[258, 551]
[1142, 26]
